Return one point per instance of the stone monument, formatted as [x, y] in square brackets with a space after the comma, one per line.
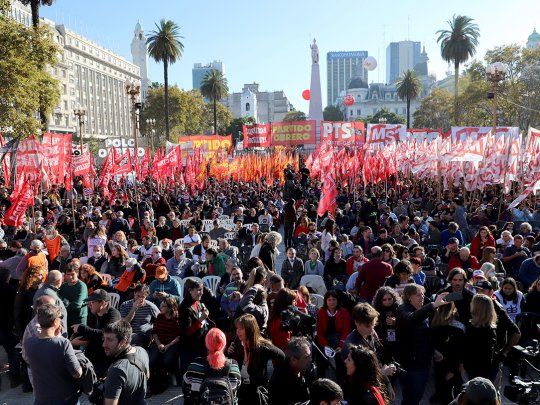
[315, 100]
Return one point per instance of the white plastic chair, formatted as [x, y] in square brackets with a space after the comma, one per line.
[207, 222]
[208, 227]
[317, 300]
[229, 235]
[184, 222]
[213, 243]
[315, 282]
[224, 217]
[199, 280]
[212, 282]
[115, 299]
[181, 284]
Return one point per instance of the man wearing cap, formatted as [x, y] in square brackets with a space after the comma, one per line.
[101, 314]
[164, 286]
[508, 333]
[478, 391]
[140, 313]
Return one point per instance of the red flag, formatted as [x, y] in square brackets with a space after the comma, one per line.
[329, 194]
[16, 213]
[123, 163]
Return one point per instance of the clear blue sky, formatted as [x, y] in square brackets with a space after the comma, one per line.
[268, 41]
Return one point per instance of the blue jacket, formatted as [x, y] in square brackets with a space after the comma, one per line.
[528, 272]
[170, 286]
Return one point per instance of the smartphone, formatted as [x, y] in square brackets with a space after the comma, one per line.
[454, 296]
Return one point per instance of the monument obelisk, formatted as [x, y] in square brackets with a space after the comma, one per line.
[315, 100]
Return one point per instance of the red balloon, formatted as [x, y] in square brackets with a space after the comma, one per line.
[306, 94]
[348, 100]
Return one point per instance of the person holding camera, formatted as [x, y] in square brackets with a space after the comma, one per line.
[280, 337]
[333, 327]
[127, 376]
[414, 341]
[291, 380]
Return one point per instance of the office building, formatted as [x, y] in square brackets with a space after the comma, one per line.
[90, 77]
[341, 67]
[199, 71]
[401, 56]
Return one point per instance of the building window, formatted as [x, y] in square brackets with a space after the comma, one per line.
[404, 110]
[247, 106]
[358, 111]
[65, 88]
[350, 113]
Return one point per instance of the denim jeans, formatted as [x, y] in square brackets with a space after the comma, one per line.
[413, 385]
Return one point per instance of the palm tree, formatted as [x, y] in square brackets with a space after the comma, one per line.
[214, 87]
[34, 6]
[164, 46]
[458, 44]
[408, 88]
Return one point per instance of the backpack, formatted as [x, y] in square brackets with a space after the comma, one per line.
[216, 388]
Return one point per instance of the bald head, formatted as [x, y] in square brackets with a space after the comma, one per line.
[376, 251]
[54, 278]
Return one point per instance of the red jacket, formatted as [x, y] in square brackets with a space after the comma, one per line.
[471, 263]
[342, 321]
[371, 277]
[279, 337]
[477, 246]
[349, 268]
[150, 267]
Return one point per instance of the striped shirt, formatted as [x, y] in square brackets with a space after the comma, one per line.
[166, 329]
[144, 316]
[195, 374]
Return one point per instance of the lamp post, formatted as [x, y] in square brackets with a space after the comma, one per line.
[496, 72]
[151, 125]
[383, 121]
[80, 114]
[133, 90]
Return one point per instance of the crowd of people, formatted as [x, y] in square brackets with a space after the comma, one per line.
[120, 297]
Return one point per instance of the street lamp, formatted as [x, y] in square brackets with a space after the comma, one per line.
[496, 72]
[133, 90]
[383, 120]
[80, 113]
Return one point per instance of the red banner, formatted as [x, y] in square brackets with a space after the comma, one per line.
[16, 213]
[339, 131]
[82, 164]
[57, 151]
[293, 133]
[122, 163]
[256, 135]
[28, 156]
[209, 143]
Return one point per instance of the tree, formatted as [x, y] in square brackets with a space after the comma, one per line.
[408, 88]
[333, 113]
[34, 6]
[458, 44]
[186, 112]
[383, 113]
[224, 117]
[25, 87]
[295, 116]
[164, 46]
[235, 127]
[435, 111]
[214, 87]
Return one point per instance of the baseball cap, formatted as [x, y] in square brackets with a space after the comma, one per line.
[480, 390]
[478, 274]
[161, 273]
[98, 295]
[484, 285]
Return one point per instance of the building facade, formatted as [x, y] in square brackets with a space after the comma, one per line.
[534, 40]
[264, 106]
[90, 77]
[341, 67]
[199, 71]
[401, 56]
